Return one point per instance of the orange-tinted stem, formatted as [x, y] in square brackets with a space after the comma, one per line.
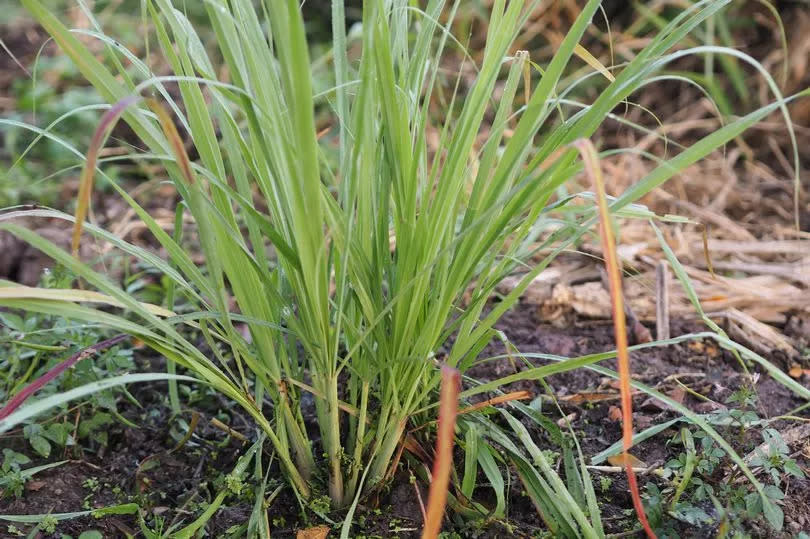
[440, 480]
[590, 160]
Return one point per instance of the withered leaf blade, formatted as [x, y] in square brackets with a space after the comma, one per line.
[316, 532]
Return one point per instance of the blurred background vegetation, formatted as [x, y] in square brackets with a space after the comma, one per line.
[49, 86]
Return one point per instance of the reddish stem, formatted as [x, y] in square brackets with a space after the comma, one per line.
[34, 386]
[440, 480]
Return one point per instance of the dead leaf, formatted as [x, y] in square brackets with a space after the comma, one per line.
[563, 421]
[797, 372]
[316, 532]
[653, 404]
[587, 396]
[618, 460]
[695, 346]
[704, 349]
[615, 413]
[514, 395]
[761, 336]
[642, 421]
[706, 407]
[414, 448]
[640, 333]
[677, 394]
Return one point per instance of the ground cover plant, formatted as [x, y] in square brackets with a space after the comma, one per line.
[360, 257]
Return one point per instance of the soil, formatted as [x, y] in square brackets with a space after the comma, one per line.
[176, 482]
[718, 373]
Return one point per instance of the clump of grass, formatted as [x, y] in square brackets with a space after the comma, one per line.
[350, 274]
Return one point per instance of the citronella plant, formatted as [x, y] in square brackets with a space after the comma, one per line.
[352, 272]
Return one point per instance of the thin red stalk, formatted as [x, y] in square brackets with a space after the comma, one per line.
[103, 130]
[440, 480]
[590, 161]
[100, 136]
[34, 386]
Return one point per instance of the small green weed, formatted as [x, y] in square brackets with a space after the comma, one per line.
[12, 480]
[32, 344]
[15, 531]
[48, 524]
[707, 477]
[774, 458]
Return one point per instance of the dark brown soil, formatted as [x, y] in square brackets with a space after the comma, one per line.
[178, 483]
[705, 368]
